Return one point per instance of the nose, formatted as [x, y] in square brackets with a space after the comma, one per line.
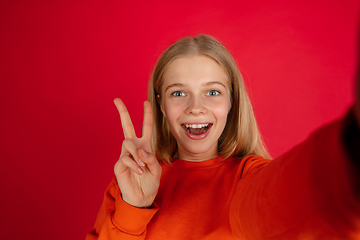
[196, 106]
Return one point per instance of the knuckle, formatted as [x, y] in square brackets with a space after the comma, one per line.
[127, 141]
[124, 161]
[118, 166]
[148, 123]
[120, 162]
[151, 158]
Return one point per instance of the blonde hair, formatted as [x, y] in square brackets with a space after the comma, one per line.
[241, 136]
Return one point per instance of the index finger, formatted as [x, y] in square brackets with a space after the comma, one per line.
[127, 126]
[148, 121]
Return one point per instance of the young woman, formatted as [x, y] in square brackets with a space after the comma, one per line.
[200, 169]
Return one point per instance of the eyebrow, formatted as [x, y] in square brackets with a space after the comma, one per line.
[214, 82]
[174, 85]
[206, 84]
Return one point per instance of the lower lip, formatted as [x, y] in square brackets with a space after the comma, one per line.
[197, 137]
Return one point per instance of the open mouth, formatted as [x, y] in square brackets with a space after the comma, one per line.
[197, 129]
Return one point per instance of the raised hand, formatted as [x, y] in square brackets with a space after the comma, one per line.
[137, 170]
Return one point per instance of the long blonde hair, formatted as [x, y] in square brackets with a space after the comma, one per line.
[241, 136]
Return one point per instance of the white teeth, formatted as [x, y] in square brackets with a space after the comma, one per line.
[196, 125]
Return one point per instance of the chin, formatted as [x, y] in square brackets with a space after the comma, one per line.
[198, 149]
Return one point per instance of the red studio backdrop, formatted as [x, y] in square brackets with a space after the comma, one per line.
[63, 63]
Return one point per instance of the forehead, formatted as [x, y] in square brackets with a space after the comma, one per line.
[196, 69]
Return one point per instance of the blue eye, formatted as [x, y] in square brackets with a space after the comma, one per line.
[178, 94]
[213, 92]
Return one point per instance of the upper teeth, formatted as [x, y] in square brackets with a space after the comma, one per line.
[196, 125]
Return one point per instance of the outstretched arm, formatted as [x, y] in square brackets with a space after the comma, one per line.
[310, 192]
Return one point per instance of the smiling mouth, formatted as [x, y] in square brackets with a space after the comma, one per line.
[196, 129]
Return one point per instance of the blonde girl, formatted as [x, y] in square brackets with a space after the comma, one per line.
[201, 171]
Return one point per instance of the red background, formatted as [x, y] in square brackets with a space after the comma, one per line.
[62, 63]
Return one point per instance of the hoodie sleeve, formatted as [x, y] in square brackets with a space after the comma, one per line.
[310, 192]
[118, 220]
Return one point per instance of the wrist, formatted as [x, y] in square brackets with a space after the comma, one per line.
[137, 204]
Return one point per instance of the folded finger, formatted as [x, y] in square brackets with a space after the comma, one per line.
[126, 163]
[129, 149]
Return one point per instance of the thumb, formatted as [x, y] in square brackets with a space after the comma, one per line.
[151, 162]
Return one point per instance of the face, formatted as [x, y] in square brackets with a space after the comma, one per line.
[195, 99]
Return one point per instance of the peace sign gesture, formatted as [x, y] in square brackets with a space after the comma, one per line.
[137, 171]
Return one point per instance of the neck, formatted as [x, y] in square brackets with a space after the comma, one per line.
[196, 157]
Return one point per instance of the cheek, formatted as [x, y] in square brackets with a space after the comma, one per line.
[171, 110]
[221, 113]
[220, 108]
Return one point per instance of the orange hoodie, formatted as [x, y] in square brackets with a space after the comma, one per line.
[307, 193]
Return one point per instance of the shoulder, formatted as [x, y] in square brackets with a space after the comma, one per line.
[252, 163]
